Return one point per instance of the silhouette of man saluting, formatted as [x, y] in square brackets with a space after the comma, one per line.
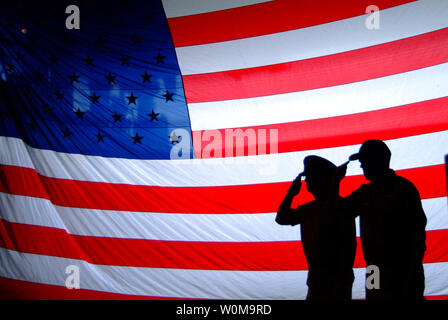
[392, 225]
[328, 233]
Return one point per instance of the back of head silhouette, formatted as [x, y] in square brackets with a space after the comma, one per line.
[319, 173]
[374, 156]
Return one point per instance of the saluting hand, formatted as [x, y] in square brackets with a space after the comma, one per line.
[296, 185]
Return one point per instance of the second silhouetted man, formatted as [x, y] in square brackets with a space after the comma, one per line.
[392, 225]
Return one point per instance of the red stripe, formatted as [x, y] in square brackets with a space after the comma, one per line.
[265, 18]
[358, 65]
[258, 198]
[391, 123]
[440, 297]
[11, 289]
[244, 256]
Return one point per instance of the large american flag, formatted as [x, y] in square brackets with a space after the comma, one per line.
[117, 141]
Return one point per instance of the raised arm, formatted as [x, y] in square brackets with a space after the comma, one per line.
[285, 214]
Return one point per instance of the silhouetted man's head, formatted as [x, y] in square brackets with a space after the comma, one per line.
[374, 156]
[321, 177]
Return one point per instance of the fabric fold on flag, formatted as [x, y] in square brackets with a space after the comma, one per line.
[152, 147]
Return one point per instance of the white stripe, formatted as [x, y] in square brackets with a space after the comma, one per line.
[200, 284]
[340, 36]
[179, 8]
[180, 283]
[436, 279]
[145, 225]
[409, 152]
[170, 227]
[376, 94]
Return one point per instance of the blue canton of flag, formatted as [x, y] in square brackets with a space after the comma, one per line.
[112, 88]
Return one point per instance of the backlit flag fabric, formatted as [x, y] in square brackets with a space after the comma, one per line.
[145, 154]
